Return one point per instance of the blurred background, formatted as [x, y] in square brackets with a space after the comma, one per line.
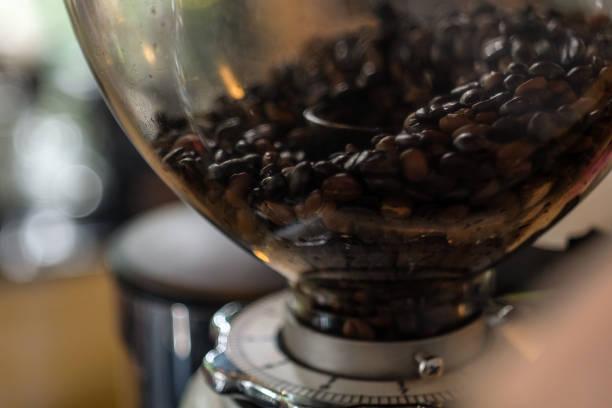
[68, 178]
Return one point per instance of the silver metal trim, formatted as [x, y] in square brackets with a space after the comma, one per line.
[380, 360]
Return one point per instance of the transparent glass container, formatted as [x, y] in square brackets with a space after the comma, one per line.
[381, 155]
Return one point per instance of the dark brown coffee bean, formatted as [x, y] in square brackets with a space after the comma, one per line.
[544, 127]
[573, 51]
[387, 143]
[326, 168]
[517, 69]
[263, 131]
[237, 189]
[506, 129]
[494, 48]
[471, 97]
[341, 187]
[515, 106]
[454, 165]
[453, 121]
[484, 106]
[559, 87]
[536, 84]
[579, 76]
[605, 75]
[415, 166]
[405, 141]
[487, 191]
[432, 136]
[470, 142]
[269, 157]
[547, 69]
[380, 162]
[512, 160]
[522, 52]
[312, 204]
[427, 114]
[499, 98]
[492, 81]
[269, 170]
[278, 213]
[460, 90]
[396, 208]
[486, 117]
[228, 133]
[451, 107]
[383, 185]
[274, 186]
[286, 159]
[299, 178]
[476, 128]
[513, 81]
[221, 156]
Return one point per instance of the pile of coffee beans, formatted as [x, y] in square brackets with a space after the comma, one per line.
[437, 146]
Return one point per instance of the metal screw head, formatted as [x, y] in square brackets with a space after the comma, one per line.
[429, 366]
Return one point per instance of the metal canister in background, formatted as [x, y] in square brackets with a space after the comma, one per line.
[173, 271]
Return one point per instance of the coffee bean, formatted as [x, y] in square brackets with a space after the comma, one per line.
[515, 106]
[506, 129]
[326, 168]
[460, 90]
[334, 219]
[278, 213]
[312, 204]
[471, 97]
[454, 165]
[544, 127]
[573, 51]
[273, 186]
[451, 107]
[427, 114]
[269, 157]
[387, 143]
[491, 81]
[405, 141]
[476, 128]
[380, 162]
[559, 87]
[263, 131]
[396, 208]
[494, 48]
[228, 133]
[299, 178]
[243, 147]
[513, 81]
[383, 185]
[486, 192]
[237, 189]
[351, 148]
[486, 117]
[579, 76]
[453, 121]
[522, 52]
[547, 69]
[432, 136]
[536, 84]
[605, 75]
[484, 106]
[517, 68]
[341, 187]
[470, 142]
[499, 98]
[415, 166]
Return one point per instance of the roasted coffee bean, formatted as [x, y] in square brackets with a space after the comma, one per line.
[532, 85]
[396, 208]
[486, 117]
[377, 138]
[485, 192]
[494, 48]
[269, 170]
[274, 186]
[341, 187]
[380, 162]
[492, 81]
[427, 114]
[476, 128]
[547, 69]
[522, 52]
[460, 90]
[278, 213]
[269, 157]
[313, 204]
[515, 106]
[432, 136]
[326, 168]
[544, 127]
[339, 159]
[499, 98]
[228, 133]
[221, 156]
[453, 121]
[451, 107]
[579, 76]
[516, 68]
[471, 97]
[484, 106]
[470, 142]
[299, 178]
[387, 143]
[237, 189]
[454, 165]
[243, 147]
[355, 160]
[506, 129]
[263, 131]
[513, 81]
[605, 75]
[559, 87]
[415, 166]
[573, 51]
[351, 148]
[383, 185]
[406, 141]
